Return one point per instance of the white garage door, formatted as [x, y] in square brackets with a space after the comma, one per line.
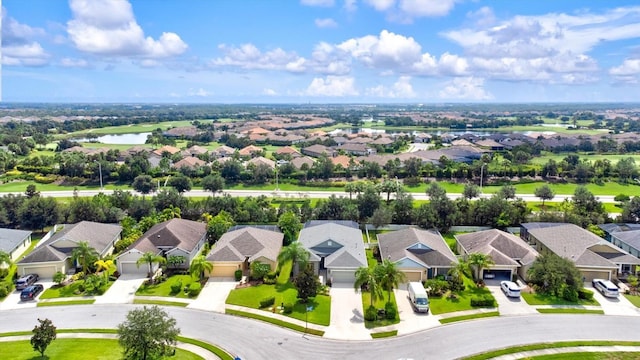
[132, 268]
[45, 272]
[343, 276]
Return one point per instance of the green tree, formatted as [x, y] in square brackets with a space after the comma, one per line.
[368, 201]
[259, 270]
[5, 259]
[307, 284]
[43, 335]
[381, 217]
[290, 225]
[507, 192]
[175, 260]
[471, 191]
[150, 259]
[84, 255]
[59, 278]
[148, 333]
[389, 276]
[478, 262]
[544, 192]
[296, 253]
[388, 187]
[181, 183]
[31, 191]
[551, 274]
[366, 279]
[199, 265]
[631, 210]
[218, 225]
[38, 212]
[107, 267]
[213, 183]
[144, 184]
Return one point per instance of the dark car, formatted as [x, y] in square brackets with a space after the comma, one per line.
[31, 292]
[26, 280]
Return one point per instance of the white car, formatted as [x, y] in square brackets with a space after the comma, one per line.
[606, 287]
[510, 289]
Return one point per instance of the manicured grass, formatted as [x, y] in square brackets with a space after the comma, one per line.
[131, 128]
[555, 206]
[72, 290]
[222, 354]
[288, 187]
[379, 304]
[384, 334]
[275, 322]
[634, 299]
[251, 297]
[518, 349]
[285, 273]
[541, 299]
[160, 302]
[103, 349]
[64, 303]
[613, 158]
[570, 311]
[443, 304]
[590, 356]
[21, 186]
[371, 260]
[469, 317]
[164, 288]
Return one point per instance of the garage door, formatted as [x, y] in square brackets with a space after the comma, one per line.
[413, 275]
[590, 275]
[497, 275]
[44, 272]
[343, 276]
[225, 270]
[132, 268]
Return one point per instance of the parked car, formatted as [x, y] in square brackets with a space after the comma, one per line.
[510, 289]
[26, 280]
[606, 287]
[31, 292]
[418, 297]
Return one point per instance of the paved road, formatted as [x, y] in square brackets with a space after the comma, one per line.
[250, 339]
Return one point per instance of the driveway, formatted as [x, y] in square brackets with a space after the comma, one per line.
[12, 301]
[507, 305]
[213, 295]
[347, 317]
[614, 306]
[411, 321]
[123, 290]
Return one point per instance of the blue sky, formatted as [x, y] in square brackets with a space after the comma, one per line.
[320, 51]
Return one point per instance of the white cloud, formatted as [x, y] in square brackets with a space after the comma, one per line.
[323, 3]
[467, 88]
[483, 16]
[108, 27]
[627, 72]
[269, 92]
[18, 45]
[381, 5]
[332, 86]
[408, 10]
[249, 57]
[326, 23]
[200, 92]
[74, 63]
[401, 89]
[389, 50]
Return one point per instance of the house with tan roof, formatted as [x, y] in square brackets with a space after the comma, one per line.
[175, 237]
[342, 160]
[238, 248]
[357, 149]
[250, 150]
[223, 151]
[189, 162]
[195, 150]
[181, 131]
[303, 160]
[287, 150]
[166, 149]
[318, 150]
[511, 255]
[260, 160]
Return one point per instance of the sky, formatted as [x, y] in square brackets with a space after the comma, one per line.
[320, 51]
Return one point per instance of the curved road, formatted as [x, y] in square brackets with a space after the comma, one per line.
[250, 339]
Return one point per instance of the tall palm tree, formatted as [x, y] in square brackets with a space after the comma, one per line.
[477, 262]
[5, 259]
[199, 265]
[150, 258]
[84, 255]
[294, 252]
[106, 266]
[367, 276]
[459, 269]
[389, 276]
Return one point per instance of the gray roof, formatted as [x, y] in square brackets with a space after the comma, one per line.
[175, 233]
[99, 236]
[340, 245]
[349, 223]
[247, 242]
[614, 228]
[10, 239]
[426, 247]
[504, 248]
[631, 238]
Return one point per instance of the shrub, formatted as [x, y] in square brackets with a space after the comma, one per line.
[570, 294]
[194, 289]
[45, 179]
[371, 314]
[259, 270]
[288, 308]
[3, 273]
[585, 294]
[238, 275]
[436, 287]
[269, 281]
[4, 290]
[456, 284]
[390, 310]
[59, 277]
[266, 302]
[77, 276]
[176, 287]
[482, 301]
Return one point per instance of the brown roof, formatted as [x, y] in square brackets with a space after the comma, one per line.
[262, 160]
[171, 234]
[247, 242]
[504, 248]
[190, 162]
[249, 150]
[424, 247]
[342, 160]
[167, 148]
[299, 161]
[287, 150]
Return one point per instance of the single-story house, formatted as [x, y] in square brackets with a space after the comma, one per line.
[336, 249]
[175, 237]
[14, 242]
[510, 254]
[318, 150]
[223, 151]
[419, 254]
[624, 236]
[593, 256]
[189, 162]
[54, 253]
[237, 249]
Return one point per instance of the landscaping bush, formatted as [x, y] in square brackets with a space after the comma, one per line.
[371, 314]
[456, 284]
[585, 294]
[390, 310]
[45, 179]
[4, 290]
[482, 301]
[266, 302]
[238, 275]
[268, 281]
[59, 278]
[570, 294]
[436, 287]
[288, 308]
[3, 273]
[194, 289]
[259, 270]
[176, 287]
[77, 276]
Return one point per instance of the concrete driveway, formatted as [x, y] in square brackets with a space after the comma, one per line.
[507, 305]
[347, 318]
[12, 301]
[123, 290]
[614, 306]
[411, 321]
[214, 295]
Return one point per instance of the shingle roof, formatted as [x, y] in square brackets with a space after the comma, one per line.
[425, 247]
[247, 242]
[10, 239]
[632, 238]
[504, 248]
[174, 233]
[348, 238]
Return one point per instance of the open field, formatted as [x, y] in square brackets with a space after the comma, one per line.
[613, 158]
[130, 129]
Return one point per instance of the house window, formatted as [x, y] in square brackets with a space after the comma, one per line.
[330, 243]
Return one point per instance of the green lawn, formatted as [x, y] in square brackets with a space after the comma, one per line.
[469, 317]
[371, 260]
[634, 299]
[66, 303]
[613, 158]
[285, 273]
[555, 206]
[251, 297]
[589, 356]
[384, 334]
[71, 290]
[99, 349]
[21, 186]
[443, 304]
[164, 288]
[570, 311]
[160, 302]
[540, 299]
[288, 187]
[541, 346]
[379, 304]
[131, 128]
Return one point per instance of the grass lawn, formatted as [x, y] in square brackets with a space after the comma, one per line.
[65, 303]
[540, 346]
[613, 158]
[442, 305]
[102, 349]
[469, 317]
[570, 311]
[634, 299]
[277, 322]
[379, 304]
[71, 290]
[164, 288]
[371, 260]
[285, 273]
[21, 186]
[555, 206]
[131, 128]
[589, 356]
[384, 334]
[287, 293]
[540, 299]
[287, 187]
[160, 302]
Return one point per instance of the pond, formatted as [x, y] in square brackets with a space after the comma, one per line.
[125, 139]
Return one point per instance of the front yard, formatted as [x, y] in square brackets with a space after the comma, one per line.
[74, 289]
[462, 300]
[541, 299]
[165, 288]
[379, 304]
[634, 299]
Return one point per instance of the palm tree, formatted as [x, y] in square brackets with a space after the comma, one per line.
[150, 258]
[389, 276]
[107, 266]
[296, 253]
[458, 269]
[199, 265]
[5, 258]
[478, 262]
[84, 255]
[367, 276]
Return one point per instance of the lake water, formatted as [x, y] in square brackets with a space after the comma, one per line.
[126, 139]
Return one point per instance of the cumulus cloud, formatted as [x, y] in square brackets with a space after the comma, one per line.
[74, 63]
[408, 10]
[326, 23]
[18, 45]
[249, 57]
[109, 27]
[628, 71]
[467, 88]
[322, 3]
[401, 89]
[269, 92]
[332, 86]
[200, 92]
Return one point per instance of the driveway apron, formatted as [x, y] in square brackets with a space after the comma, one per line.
[123, 290]
[507, 305]
[411, 321]
[614, 306]
[12, 301]
[214, 295]
[347, 317]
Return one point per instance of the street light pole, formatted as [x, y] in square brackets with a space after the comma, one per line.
[100, 169]
[481, 175]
